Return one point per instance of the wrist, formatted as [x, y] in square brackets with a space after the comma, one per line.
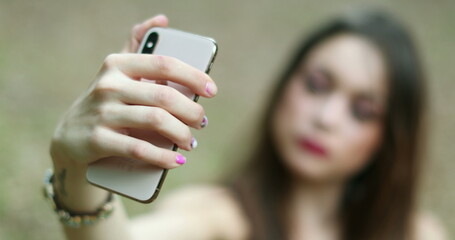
[69, 216]
[73, 192]
[61, 159]
[71, 189]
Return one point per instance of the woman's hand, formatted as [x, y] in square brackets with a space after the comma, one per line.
[98, 124]
[103, 120]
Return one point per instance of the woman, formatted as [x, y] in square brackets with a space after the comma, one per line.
[337, 157]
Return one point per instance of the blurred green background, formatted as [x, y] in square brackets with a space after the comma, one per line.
[51, 50]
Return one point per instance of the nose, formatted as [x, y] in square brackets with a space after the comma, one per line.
[329, 115]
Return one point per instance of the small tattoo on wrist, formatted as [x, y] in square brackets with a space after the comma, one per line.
[61, 182]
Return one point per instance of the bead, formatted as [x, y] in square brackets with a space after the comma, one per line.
[75, 220]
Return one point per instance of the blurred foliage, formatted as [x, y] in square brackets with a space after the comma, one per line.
[51, 50]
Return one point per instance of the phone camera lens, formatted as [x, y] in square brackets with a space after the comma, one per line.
[150, 44]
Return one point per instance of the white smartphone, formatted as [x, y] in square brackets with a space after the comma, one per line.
[133, 178]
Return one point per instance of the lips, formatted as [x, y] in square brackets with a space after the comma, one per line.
[312, 147]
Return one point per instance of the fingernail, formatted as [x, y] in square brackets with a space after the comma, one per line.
[180, 159]
[193, 143]
[205, 122]
[210, 89]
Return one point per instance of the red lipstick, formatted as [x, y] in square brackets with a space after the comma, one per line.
[312, 147]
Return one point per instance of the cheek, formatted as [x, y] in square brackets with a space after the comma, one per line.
[291, 117]
[289, 112]
[294, 108]
[356, 147]
[286, 117]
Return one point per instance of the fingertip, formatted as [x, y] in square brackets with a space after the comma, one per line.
[194, 143]
[185, 147]
[161, 20]
[211, 89]
[204, 122]
[170, 160]
[180, 159]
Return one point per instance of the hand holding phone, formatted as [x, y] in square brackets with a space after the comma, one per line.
[97, 124]
[135, 178]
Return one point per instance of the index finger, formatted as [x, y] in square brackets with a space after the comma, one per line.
[156, 67]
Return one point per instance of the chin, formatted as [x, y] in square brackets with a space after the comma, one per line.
[310, 168]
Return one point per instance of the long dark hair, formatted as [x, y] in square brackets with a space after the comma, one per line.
[379, 201]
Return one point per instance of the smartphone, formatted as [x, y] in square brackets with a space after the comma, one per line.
[133, 178]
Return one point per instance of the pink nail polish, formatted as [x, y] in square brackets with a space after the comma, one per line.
[210, 89]
[205, 122]
[193, 143]
[180, 159]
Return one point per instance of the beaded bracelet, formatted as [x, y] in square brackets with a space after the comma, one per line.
[73, 219]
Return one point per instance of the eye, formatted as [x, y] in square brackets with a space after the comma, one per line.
[364, 111]
[316, 82]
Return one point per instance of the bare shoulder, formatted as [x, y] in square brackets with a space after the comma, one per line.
[196, 195]
[428, 226]
[198, 211]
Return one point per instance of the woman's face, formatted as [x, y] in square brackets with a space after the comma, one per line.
[328, 123]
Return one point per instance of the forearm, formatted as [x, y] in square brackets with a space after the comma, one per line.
[74, 194]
